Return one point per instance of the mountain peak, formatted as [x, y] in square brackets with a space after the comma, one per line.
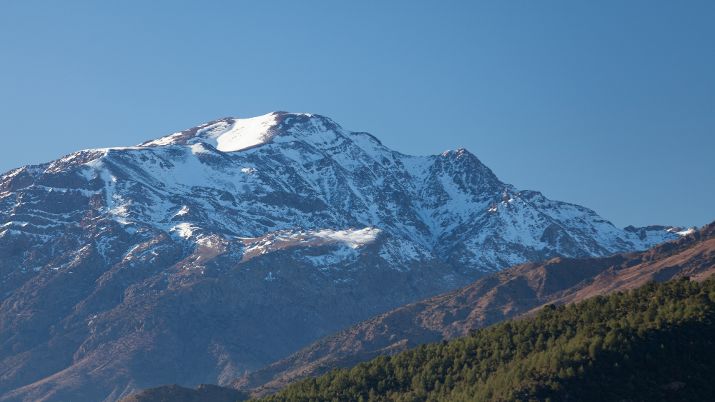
[232, 134]
[227, 134]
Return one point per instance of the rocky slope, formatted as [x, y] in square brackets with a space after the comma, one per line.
[216, 250]
[510, 293]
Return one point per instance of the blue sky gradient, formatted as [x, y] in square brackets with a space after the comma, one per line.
[609, 104]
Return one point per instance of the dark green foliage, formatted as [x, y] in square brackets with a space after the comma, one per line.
[175, 393]
[654, 343]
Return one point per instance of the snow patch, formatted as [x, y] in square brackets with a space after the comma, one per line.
[183, 211]
[285, 239]
[199, 148]
[682, 232]
[352, 237]
[246, 133]
[184, 230]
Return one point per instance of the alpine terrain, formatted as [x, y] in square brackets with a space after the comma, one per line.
[214, 251]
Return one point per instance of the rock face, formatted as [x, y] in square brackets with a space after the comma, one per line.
[200, 255]
[510, 293]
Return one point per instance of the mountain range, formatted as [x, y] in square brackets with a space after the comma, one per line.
[212, 252]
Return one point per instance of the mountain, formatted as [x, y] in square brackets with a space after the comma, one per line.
[217, 250]
[655, 343]
[511, 293]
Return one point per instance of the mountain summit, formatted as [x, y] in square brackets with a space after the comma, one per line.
[229, 134]
[205, 253]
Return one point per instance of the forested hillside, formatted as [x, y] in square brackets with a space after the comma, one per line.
[652, 343]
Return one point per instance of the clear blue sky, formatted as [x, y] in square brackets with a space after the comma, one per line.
[610, 104]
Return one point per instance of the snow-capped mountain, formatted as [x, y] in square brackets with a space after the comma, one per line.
[276, 175]
[199, 255]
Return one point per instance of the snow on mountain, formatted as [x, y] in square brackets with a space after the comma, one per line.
[284, 222]
[228, 135]
[250, 177]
